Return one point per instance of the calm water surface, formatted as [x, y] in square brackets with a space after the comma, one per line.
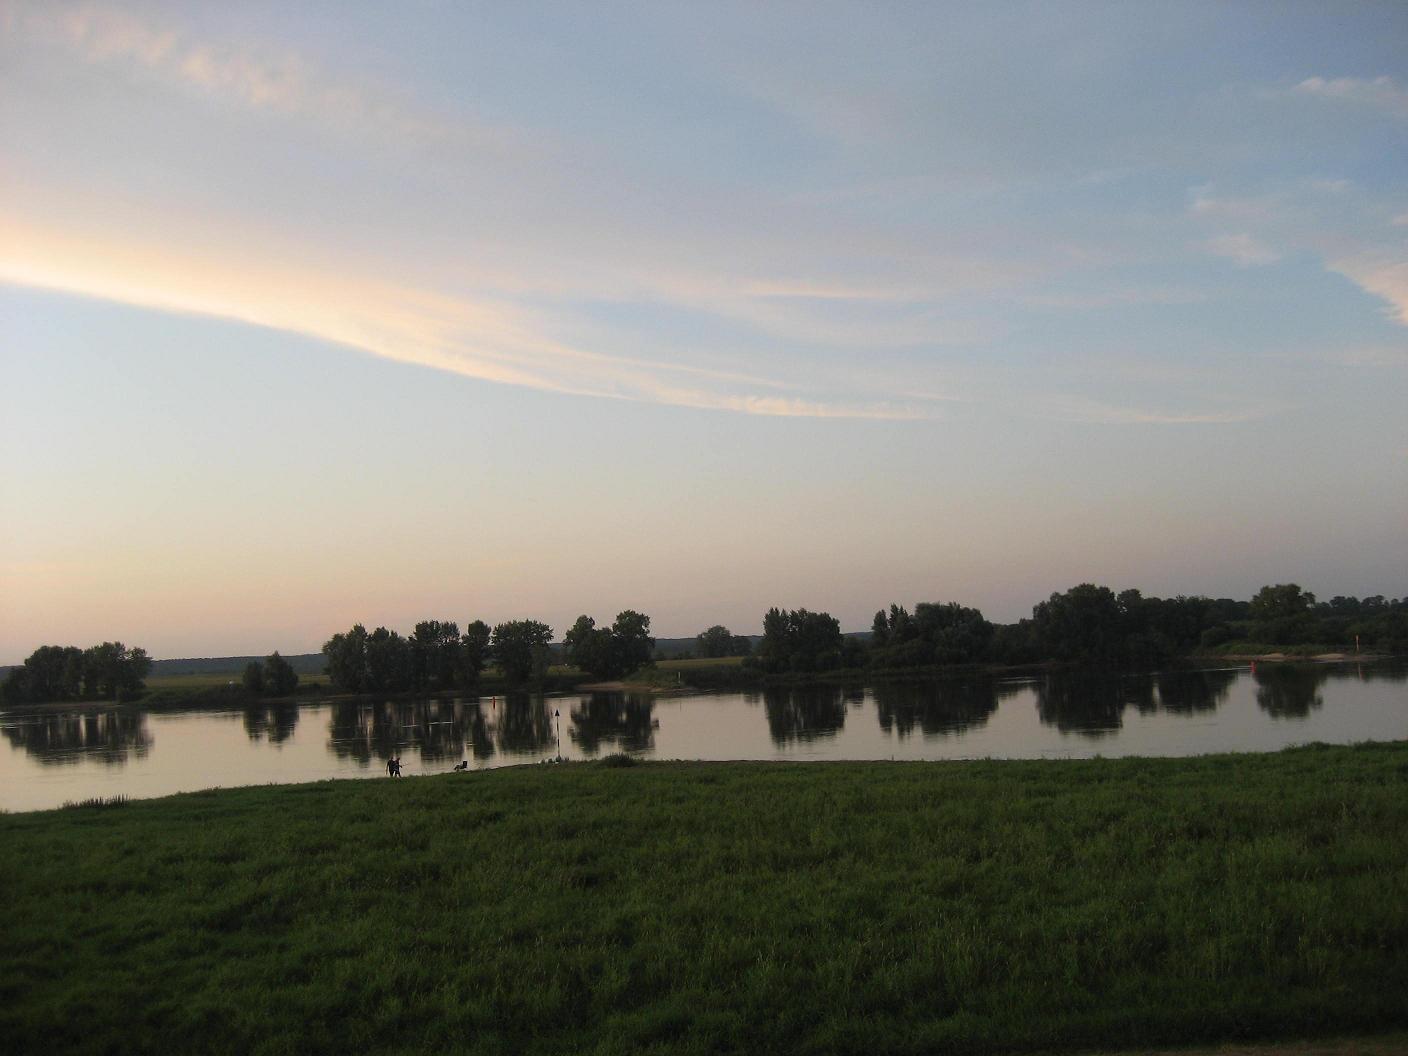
[53, 757]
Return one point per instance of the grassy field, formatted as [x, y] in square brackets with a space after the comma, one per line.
[692, 908]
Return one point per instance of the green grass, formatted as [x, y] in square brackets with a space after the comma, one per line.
[691, 908]
[202, 681]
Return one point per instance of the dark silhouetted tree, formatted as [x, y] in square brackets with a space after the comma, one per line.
[434, 648]
[280, 679]
[798, 640]
[388, 662]
[347, 660]
[113, 670]
[473, 652]
[520, 647]
[718, 641]
[1084, 624]
[609, 652]
[254, 678]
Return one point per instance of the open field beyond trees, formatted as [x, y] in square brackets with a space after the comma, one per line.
[673, 908]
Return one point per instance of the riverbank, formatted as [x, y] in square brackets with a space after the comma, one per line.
[995, 907]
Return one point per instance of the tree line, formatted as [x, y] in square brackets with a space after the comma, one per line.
[1087, 624]
[110, 671]
[436, 656]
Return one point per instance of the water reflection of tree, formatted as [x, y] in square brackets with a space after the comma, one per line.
[437, 729]
[111, 737]
[626, 720]
[1289, 691]
[1193, 692]
[481, 741]
[1077, 702]
[276, 722]
[523, 724]
[804, 713]
[1093, 705]
[937, 708]
[1390, 671]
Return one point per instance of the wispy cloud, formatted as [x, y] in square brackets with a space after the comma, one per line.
[251, 76]
[1381, 93]
[1382, 274]
[483, 339]
[1242, 248]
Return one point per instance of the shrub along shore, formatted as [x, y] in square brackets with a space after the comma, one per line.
[749, 907]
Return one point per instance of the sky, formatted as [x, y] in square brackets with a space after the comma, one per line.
[323, 313]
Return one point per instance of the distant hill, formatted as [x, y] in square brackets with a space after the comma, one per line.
[305, 664]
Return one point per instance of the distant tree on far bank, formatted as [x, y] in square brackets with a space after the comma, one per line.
[800, 641]
[254, 678]
[937, 633]
[110, 671]
[435, 657]
[1279, 602]
[347, 660]
[520, 648]
[718, 641]
[473, 653]
[610, 652]
[389, 662]
[435, 647]
[280, 679]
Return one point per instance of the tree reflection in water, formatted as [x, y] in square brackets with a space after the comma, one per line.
[1193, 692]
[1092, 704]
[437, 729]
[626, 720]
[1085, 703]
[938, 708]
[112, 737]
[523, 724]
[1392, 671]
[1289, 691]
[274, 722]
[804, 713]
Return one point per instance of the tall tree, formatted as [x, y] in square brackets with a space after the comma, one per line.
[113, 670]
[434, 646]
[254, 679]
[798, 640]
[473, 652]
[631, 641]
[521, 649]
[347, 660]
[280, 679]
[715, 642]
[388, 662]
[1085, 624]
[1282, 601]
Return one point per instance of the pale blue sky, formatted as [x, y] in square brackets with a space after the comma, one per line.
[314, 313]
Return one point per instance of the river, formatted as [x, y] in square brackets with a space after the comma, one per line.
[52, 756]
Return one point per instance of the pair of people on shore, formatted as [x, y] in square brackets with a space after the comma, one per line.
[393, 766]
